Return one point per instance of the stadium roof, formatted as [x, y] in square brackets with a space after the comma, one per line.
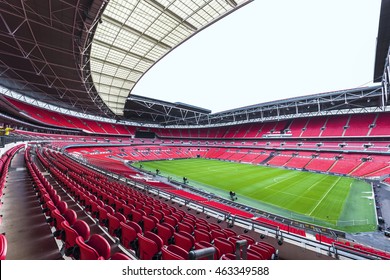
[87, 55]
[383, 41]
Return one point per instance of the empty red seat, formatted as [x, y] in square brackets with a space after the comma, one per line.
[271, 248]
[204, 244]
[171, 221]
[70, 233]
[3, 247]
[70, 216]
[248, 238]
[215, 233]
[229, 232]
[225, 246]
[186, 227]
[228, 256]
[113, 223]
[128, 234]
[136, 215]
[96, 247]
[62, 207]
[184, 240]
[266, 253]
[204, 227]
[149, 246]
[149, 223]
[127, 211]
[173, 252]
[119, 256]
[165, 231]
[202, 235]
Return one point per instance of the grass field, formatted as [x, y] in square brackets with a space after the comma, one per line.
[338, 202]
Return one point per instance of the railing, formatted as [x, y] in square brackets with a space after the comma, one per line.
[263, 230]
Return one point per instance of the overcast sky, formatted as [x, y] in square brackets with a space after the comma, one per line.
[270, 50]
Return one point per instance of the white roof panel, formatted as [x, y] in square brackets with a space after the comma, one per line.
[134, 35]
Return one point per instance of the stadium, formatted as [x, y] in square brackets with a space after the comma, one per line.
[91, 171]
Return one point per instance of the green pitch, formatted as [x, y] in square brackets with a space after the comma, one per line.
[338, 202]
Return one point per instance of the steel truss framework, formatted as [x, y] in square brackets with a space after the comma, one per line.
[40, 43]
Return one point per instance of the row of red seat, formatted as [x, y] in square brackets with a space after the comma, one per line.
[360, 165]
[74, 233]
[357, 125]
[139, 220]
[5, 162]
[362, 249]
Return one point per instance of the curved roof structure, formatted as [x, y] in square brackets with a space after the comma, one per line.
[87, 55]
[133, 35]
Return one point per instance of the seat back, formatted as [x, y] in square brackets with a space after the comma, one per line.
[248, 238]
[3, 247]
[186, 227]
[70, 216]
[85, 252]
[119, 256]
[62, 207]
[149, 223]
[215, 233]
[148, 249]
[224, 245]
[202, 235]
[102, 216]
[101, 245]
[165, 231]
[266, 253]
[204, 244]
[69, 235]
[129, 232]
[113, 224]
[171, 220]
[82, 228]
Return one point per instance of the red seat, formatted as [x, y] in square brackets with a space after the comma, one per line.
[149, 223]
[149, 246]
[158, 214]
[127, 211]
[255, 255]
[70, 233]
[184, 240]
[229, 232]
[173, 252]
[202, 235]
[119, 256]
[224, 245]
[186, 227]
[128, 234]
[3, 247]
[94, 248]
[203, 227]
[70, 216]
[171, 221]
[165, 231]
[215, 233]
[113, 223]
[248, 238]
[204, 244]
[136, 215]
[265, 252]
[62, 207]
[271, 248]
[228, 256]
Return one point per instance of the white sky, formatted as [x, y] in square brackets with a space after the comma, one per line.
[270, 50]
